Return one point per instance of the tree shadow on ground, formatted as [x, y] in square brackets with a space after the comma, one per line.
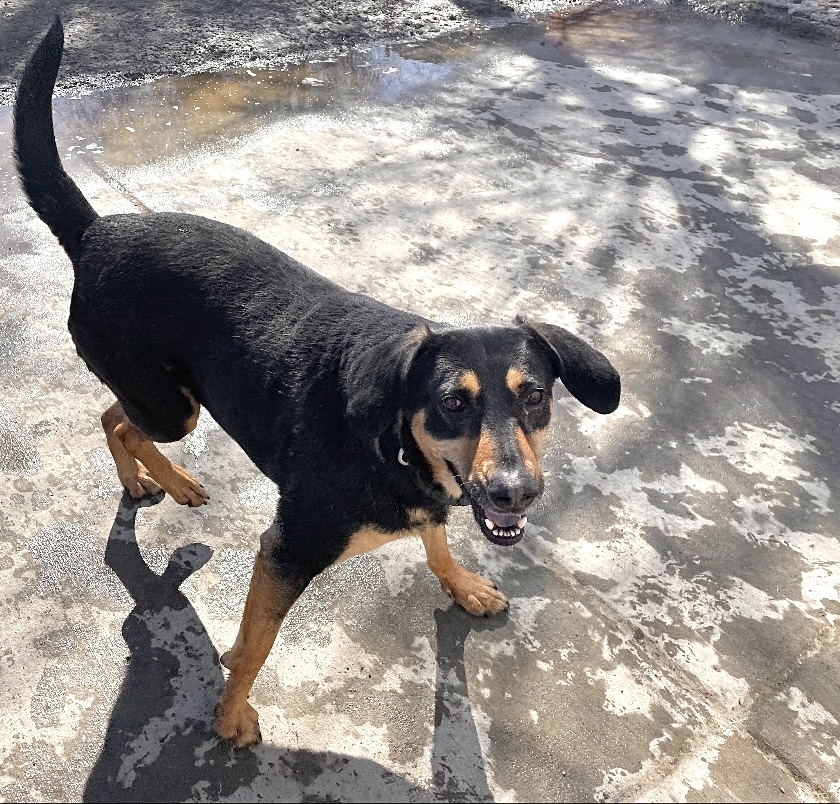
[160, 744]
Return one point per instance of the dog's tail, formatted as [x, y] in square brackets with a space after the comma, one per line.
[51, 192]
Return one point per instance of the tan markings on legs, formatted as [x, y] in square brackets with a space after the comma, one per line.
[469, 382]
[132, 474]
[526, 448]
[192, 419]
[269, 599]
[369, 538]
[470, 591]
[484, 460]
[141, 467]
[418, 517]
[436, 452]
[515, 379]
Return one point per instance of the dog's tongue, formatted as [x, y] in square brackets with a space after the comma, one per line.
[502, 520]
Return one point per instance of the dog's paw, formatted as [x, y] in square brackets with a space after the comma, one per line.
[238, 722]
[474, 593]
[182, 487]
[139, 483]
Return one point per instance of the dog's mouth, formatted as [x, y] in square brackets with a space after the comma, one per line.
[498, 528]
[503, 529]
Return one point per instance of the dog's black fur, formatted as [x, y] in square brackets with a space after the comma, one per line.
[320, 387]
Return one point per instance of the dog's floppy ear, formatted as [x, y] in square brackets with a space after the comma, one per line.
[586, 373]
[375, 381]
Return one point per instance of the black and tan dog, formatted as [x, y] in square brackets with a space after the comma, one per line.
[370, 420]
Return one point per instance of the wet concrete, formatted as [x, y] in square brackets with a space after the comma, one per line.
[664, 185]
[114, 42]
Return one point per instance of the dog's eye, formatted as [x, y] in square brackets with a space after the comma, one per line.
[535, 397]
[452, 403]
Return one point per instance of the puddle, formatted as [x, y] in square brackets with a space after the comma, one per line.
[169, 118]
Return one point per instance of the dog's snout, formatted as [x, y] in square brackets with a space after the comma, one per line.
[513, 491]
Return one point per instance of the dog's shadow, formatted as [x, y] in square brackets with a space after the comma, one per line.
[458, 767]
[160, 744]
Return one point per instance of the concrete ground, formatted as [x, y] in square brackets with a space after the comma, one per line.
[664, 184]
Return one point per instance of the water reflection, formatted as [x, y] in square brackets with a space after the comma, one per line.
[176, 116]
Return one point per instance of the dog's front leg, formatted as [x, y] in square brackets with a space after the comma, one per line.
[470, 591]
[270, 596]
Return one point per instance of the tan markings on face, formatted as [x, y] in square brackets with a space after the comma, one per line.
[529, 446]
[457, 451]
[484, 461]
[536, 438]
[515, 379]
[469, 382]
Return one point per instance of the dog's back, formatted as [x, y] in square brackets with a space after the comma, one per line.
[171, 310]
[165, 303]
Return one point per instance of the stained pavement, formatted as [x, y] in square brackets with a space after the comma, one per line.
[664, 185]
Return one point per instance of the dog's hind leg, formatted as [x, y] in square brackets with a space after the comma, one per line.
[141, 467]
[132, 474]
[272, 592]
[470, 591]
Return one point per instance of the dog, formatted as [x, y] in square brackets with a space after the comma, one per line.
[372, 421]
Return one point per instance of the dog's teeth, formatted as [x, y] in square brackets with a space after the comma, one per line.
[489, 523]
[522, 522]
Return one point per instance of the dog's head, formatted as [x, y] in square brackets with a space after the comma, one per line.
[474, 406]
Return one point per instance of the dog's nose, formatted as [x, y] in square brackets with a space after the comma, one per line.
[513, 491]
